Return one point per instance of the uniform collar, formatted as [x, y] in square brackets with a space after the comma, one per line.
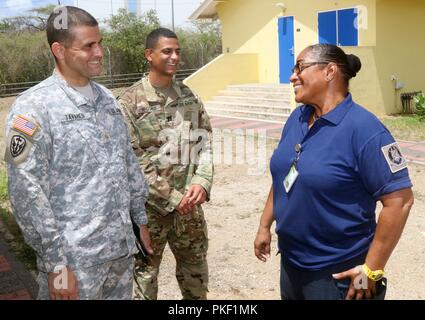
[151, 93]
[77, 98]
[335, 116]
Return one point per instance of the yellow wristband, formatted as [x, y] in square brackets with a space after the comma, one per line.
[374, 275]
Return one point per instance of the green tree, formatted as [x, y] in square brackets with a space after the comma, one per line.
[125, 38]
[34, 21]
[25, 57]
[200, 44]
[24, 52]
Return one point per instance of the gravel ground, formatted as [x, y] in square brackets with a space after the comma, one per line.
[237, 201]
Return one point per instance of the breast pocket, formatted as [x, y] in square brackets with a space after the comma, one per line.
[189, 111]
[77, 145]
[118, 166]
[149, 128]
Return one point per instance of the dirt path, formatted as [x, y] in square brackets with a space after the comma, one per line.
[233, 214]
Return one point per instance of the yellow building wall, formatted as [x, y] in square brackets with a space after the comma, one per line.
[400, 49]
[250, 26]
[390, 43]
[224, 70]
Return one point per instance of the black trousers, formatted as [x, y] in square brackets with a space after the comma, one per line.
[297, 284]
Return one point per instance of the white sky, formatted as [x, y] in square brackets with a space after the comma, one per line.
[102, 9]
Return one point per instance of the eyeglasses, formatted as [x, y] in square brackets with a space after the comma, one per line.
[300, 66]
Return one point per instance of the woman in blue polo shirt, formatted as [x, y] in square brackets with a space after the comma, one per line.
[334, 161]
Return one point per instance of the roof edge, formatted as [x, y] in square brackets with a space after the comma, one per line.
[206, 10]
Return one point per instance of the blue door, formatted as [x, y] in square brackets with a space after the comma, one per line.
[339, 27]
[327, 27]
[347, 27]
[286, 48]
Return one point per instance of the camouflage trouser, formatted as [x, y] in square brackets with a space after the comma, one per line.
[187, 238]
[111, 280]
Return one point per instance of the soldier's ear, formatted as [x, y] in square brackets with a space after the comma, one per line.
[58, 50]
[148, 54]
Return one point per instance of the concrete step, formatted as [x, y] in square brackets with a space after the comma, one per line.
[255, 121]
[285, 97]
[242, 107]
[281, 88]
[249, 115]
[254, 100]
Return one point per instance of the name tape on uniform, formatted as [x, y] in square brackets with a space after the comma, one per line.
[76, 116]
[115, 111]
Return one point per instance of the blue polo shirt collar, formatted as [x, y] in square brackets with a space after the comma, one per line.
[335, 116]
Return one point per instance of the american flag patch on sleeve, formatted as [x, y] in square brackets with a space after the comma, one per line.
[23, 125]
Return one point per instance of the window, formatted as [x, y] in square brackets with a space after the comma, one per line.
[339, 27]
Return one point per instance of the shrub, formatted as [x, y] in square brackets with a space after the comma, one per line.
[419, 100]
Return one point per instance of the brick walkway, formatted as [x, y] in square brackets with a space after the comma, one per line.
[413, 151]
[17, 283]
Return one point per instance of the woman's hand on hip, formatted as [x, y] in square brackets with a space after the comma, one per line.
[361, 287]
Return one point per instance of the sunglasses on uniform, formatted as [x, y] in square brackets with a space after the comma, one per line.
[300, 66]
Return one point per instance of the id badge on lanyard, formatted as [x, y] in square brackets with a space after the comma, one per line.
[292, 175]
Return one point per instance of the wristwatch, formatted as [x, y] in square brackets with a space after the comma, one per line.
[374, 275]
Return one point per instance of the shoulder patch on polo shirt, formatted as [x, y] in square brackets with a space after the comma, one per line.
[394, 158]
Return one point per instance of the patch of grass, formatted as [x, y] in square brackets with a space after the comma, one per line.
[4, 195]
[405, 127]
[23, 252]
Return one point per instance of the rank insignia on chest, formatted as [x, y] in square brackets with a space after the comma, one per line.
[23, 125]
[155, 107]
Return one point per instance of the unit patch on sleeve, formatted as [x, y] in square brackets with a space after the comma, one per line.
[394, 158]
[18, 147]
[23, 125]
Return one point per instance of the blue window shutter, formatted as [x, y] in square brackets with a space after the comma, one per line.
[327, 27]
[347, 27]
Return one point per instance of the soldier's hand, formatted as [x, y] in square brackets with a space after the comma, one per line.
[145, 238]
[196, 195]
[184, 207]
[63, 285]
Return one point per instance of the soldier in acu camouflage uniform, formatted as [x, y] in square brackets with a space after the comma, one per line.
[73, 176]
[171, 135]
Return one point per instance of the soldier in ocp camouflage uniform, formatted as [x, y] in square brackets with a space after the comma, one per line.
[73, 176]
[171, 135]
